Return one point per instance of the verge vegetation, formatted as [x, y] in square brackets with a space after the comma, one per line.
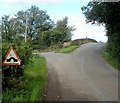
[30, 86]
[68, 49]
[111, 60]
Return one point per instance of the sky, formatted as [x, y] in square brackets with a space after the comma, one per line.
[57, 10]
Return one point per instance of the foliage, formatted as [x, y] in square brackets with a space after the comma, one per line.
[12, 74]
[37, 26]
[31, 86]
[32, 22]
[65, 32]
[107, 14]
[111, 60]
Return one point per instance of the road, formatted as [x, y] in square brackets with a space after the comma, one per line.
[82, 75]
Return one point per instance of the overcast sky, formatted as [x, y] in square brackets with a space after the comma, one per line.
[58, 9]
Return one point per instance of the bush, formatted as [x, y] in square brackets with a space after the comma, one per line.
[30, 87]
[113, 47]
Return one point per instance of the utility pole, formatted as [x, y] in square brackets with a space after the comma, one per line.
[26, 27]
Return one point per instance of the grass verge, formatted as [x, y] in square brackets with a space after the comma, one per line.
[68, 49]
[111, 60]
[46, 50]
[30, 87]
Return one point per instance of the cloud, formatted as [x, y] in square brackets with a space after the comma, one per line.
[89, 30]
[49, 1]
[42, 2]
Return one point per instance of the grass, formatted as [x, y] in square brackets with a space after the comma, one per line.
[31, 85]
[59, 50]
[35, 74]
[68, 49]
[111, 60]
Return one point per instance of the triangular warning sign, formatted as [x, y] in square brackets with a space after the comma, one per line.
[11, 58]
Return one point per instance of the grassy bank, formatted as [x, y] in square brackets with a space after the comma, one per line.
[30, 87]
[111, 60]
[68, 49]
[35, 74]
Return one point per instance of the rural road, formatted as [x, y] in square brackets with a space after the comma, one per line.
[82, 75]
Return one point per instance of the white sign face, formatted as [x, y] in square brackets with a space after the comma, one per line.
[11, 58]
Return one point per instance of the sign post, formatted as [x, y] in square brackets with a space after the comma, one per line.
[11, 59]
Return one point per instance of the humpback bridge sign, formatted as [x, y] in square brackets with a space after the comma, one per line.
[11, 58]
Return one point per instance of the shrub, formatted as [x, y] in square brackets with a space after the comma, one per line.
[24, 52]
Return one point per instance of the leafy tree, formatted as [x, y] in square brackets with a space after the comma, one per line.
[41, 30]
[7, 33]
[62, 32]
[56, 36]
[36, 21]
[33, 20]
[46, 38]
[107, 14]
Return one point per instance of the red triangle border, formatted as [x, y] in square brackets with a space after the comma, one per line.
[11, 48]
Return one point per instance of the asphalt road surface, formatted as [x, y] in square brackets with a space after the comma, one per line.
[82, 75]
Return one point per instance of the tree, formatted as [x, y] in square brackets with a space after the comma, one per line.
[107, 14]
[9, 28]
[36, 21]
[33, 20]
[62, 32]
[40, 29]
[46, 38]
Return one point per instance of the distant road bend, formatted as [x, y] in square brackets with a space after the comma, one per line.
[82, 75]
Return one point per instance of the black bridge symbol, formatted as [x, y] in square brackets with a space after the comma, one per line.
[15, 60]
